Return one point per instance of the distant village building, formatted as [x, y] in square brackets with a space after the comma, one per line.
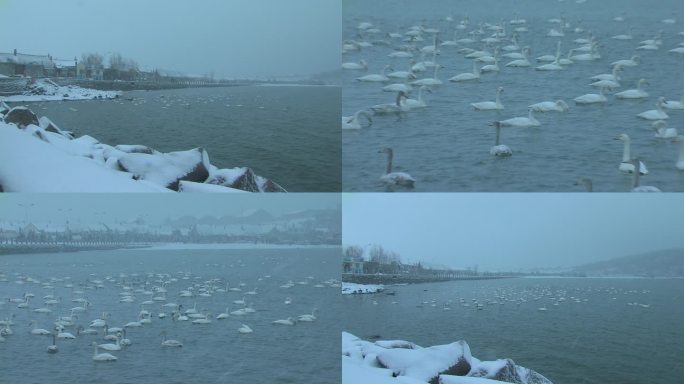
[21, 64]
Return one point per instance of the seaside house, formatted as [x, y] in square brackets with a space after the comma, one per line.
[353, 265]
[21, 64]
[65, 68]
[89, 71]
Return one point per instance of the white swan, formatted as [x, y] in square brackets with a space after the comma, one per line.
[554, 66]
[490, 105]
[637, 93]
[169, 343]
[102, 356]
[397, 87]
[418, 103]
[521, 60]
[223, 315]
[491, 67]
[499, 149]
[548, 106]
[307, 317]
[395, 178]
[675, 104]
[37, 331]
[475, 75]
[614, 75]
[239, 312]
[112, 347]
[352, 122]
[430, 81]
[288, 321]
[680, 161]
[592, 98]
[240, 302]
[245, 329]
[635, 179]
[397, 107]
[662, 131]
[53, 348]
[551, 58]
[377, 78]
[631, 62]
[521, 122]
[355, 66]
[655, 114]
[626, 165]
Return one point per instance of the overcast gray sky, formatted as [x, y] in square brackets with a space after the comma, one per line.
[232, 38]
[512, 231]
[92, 208]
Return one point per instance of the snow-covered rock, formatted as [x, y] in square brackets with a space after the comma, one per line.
[47, 90]
[167, 169]
[21, 116]
[40, 141]
[399, 361]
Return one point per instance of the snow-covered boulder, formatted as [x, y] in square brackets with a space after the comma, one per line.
[4, 108]
[505, 370]
[396, 344]
[243, 178]
[189, 186]
[136, 149]
[446, 379]
[428, 363]
[50, 126]
[21, 117]
[167, 169]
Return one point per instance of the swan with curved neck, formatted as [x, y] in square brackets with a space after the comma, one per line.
[430, 81]
[402, 179]
[655, 114]
[398, 106]
[102, 356]
[551, 58]
[490, 105]
[635, 179]
[674, 104]
[245, 329]
[378, 78]
[637, 93]
[626, 165]
[169, 343]
[353, 122]
[660, 127]
[499, 149]
[521, 122]
[522, 61]
[361, 65]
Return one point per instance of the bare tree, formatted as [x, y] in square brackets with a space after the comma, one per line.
[353, 252]
[92, 59]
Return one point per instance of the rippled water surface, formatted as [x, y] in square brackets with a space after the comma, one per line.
[286, 133]
[598, 332]
[214, 353]
[445, 146]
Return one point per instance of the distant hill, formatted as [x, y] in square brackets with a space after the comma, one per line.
[663, 263]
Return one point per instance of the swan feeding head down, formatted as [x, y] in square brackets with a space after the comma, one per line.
[390, 178]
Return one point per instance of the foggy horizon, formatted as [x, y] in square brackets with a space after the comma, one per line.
[236, 39]
[91, 209]
[510, 232]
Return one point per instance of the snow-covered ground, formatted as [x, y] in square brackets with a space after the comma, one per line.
[38, 156]
[47, 90]
[403, 362]
[189, 246]
[350, 288]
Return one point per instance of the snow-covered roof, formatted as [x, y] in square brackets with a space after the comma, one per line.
[22, 58]
[64, 63]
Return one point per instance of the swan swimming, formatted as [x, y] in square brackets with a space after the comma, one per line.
[635, 179]
[680, 160]
[626, 165]
[637, 93]
[490, 105]
[499, 149]
[418, 103]
[521, 122]
[655, 114]
[102, 356]
[308, 317]
[467, 76]
[398, 106]
[352, 122]
[592, 98]
[53, 348]
[245, 329]
[402, 179]
[169, 343]
[361, 65]
[288, 321]
[377, 78]
[521, 61]
[631, 62]
[548, 106]
[660, 126]
[37, 331]
[675, 104]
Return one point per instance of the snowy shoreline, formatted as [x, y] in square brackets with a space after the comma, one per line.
[353, 288]
[37, 156]
[403, 362]
[47, 90]
[228, 246]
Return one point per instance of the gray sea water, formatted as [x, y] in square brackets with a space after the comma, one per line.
[215, 353]
[445, 146]
[286, 133]
[597, 333]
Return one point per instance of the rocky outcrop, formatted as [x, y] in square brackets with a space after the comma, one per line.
[167, 169]
[427, 363]
[21, 117]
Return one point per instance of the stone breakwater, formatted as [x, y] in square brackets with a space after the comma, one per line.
[403, 362]
[32, 149]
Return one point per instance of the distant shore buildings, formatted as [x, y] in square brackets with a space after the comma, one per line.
[16, 64]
